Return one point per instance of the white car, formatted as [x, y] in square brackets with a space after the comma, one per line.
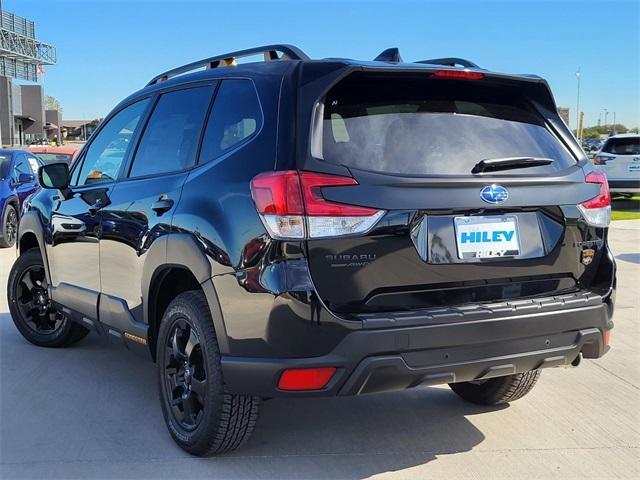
[619, 158]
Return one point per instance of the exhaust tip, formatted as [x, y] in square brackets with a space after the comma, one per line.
[577, 360]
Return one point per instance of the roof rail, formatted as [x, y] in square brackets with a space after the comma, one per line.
[450, 62]
[270, 52]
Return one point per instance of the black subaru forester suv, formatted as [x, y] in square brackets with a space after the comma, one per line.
[297, 227]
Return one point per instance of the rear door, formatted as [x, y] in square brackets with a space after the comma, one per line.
[142, 204]
[448, 236]
[25, 165]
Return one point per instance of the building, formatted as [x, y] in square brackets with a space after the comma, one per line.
[23, 118]
[78, 130]
[564, 114]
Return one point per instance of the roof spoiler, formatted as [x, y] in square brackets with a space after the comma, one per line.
[450, 62]
[392, 55]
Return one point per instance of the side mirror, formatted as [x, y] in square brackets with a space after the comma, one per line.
[54, 176]
[25, 178]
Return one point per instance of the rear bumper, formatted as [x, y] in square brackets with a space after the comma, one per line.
[476, 346]
[630, 186]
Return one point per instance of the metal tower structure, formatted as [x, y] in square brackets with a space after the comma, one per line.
[21, 54]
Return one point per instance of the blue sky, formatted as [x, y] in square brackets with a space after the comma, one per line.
[109, 48]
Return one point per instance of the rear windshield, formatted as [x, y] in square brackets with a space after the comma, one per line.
[623, 146]
[430, 127]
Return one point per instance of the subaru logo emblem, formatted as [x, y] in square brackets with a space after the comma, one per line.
[494, 194]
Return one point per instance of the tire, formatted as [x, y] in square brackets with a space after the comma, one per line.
[497, 391]
[30, 308]
[202, 416]
[9, 226]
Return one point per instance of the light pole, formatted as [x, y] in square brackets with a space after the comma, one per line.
[578, 105]
[606, 114]
[614, 123]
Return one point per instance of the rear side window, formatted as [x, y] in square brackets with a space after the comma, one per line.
[170, 139]
[235, 117]
[410, 126]
[33, 162]
[22, 166]
[623, 146]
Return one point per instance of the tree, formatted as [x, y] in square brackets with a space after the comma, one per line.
[52, 103]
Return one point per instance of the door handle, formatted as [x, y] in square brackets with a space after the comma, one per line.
[163, 204]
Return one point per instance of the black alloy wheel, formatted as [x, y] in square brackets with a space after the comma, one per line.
[32, 312]
[202, 416]
[185, 374]
[9, 226]
[33, 302]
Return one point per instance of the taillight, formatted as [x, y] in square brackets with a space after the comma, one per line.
[458, 74]
[601, 160]
[291, 206]
[597, 211]
[278, 199]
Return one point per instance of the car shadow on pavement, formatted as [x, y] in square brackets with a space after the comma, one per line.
[92, 411]
[358, 437]
[629, 257]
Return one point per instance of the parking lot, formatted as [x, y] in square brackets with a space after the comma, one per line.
[92, 411]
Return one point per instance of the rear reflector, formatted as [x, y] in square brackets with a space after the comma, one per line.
[607, 338]
[301, 379]
[292, 206]
[597, 211]
[458, 74]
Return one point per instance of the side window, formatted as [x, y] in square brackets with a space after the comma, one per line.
[21, 166]
[170, 140]
[235, 117]
[33, 163]
[109, 148]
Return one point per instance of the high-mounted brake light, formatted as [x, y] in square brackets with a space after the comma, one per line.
[458, 74]
[292, 206]
[597, 211]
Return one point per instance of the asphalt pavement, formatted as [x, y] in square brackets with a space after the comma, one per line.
[92, 411]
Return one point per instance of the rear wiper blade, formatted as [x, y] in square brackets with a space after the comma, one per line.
[509, 163]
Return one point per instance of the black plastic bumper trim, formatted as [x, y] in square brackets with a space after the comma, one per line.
[392, 359]
[619, 184]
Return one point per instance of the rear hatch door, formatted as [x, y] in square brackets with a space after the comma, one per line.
[448, 236]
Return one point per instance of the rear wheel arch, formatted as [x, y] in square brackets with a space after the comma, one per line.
[167, 282]
[184, 267]
[13, 201]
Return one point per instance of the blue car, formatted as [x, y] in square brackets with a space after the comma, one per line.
[18, 180]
